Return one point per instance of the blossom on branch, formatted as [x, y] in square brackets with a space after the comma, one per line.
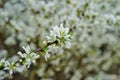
[59, 33]
[28, 57]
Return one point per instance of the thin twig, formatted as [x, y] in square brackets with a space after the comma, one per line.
[48, 44]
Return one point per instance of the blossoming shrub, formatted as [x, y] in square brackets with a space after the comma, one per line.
[94, 53]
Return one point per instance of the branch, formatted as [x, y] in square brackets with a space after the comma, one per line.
[48, 44]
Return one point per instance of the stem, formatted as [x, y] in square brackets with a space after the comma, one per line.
[38, 50]
[48, 44]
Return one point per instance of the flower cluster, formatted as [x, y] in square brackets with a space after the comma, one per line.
[26, 59]
[57, 36]
[59, 33]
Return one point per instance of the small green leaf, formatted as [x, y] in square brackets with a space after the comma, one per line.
[31, 51]
[45, 48]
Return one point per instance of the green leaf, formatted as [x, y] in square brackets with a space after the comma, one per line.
[31, 51]
[45, 48]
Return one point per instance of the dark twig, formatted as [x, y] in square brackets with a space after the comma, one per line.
[48, 44]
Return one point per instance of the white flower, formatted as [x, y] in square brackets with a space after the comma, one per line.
[59, 33]
[47, 55]
[11, 67]
[68, 44]
[2, 75]
[30, 57]
[8, 66]
[2, 62]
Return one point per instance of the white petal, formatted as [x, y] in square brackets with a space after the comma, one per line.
[27, 49]
[66, 30]
[61, 27]
[24, 47]
[10, 72]
[47, 55]
[20, 53]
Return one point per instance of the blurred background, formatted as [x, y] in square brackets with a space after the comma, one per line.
[95, 48]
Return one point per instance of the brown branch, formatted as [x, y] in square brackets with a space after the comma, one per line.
[48, 44]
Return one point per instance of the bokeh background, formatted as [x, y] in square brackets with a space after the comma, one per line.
[95, 48]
